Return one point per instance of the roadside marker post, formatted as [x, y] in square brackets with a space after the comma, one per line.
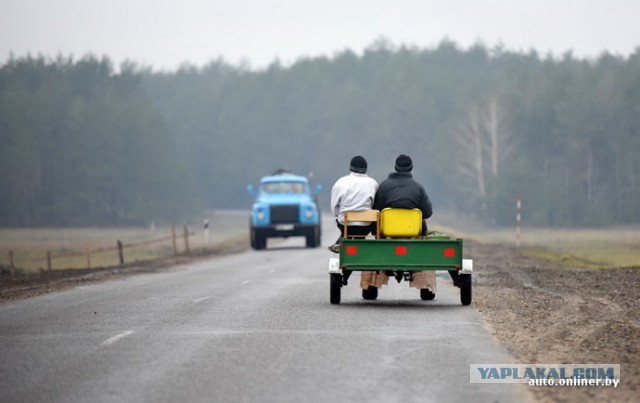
[205, 224]
[518, 220]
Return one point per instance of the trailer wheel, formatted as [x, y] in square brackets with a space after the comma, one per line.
[370, 293]
[426, 294]
[335, 283]
[465, 288]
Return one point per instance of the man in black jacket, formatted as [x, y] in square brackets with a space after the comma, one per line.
[400, 190]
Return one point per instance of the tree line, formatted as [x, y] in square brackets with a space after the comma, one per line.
[86, 143]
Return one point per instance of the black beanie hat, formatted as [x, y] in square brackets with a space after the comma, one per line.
[358, 164]
[404, 163]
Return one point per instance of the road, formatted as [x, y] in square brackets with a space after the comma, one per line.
[250, 327]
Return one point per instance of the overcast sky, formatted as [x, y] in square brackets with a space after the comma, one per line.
[163, 34]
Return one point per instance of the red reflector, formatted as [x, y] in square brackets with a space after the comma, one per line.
[449, 252]
[352, 250]
[401, 250]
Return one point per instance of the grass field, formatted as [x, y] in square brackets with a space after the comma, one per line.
[97, 247]
[75, 247]
[587, 248]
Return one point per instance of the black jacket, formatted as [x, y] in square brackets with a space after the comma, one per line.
[400, 190]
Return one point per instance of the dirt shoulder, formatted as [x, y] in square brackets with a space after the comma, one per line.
[545, 314]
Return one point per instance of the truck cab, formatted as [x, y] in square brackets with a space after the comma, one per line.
[284, 206]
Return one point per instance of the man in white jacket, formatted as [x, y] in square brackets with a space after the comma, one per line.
[353, 192]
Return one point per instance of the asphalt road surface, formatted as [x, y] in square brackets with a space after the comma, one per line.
[250, 327]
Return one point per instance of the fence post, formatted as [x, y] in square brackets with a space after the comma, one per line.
[173, 241]
[120, 254]
[88, 253]
[12, 265]
[185, 230]
[48, 260]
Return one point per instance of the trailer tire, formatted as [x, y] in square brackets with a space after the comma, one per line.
[335, 283]
[465, 288]
[370, 293]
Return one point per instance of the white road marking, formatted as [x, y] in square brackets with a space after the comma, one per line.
[201, 299]
[115, 338]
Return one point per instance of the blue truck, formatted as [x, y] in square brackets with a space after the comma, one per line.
[284, 206]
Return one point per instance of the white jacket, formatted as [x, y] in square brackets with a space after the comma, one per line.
[353, 192]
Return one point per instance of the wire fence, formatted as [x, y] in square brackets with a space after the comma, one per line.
[40, 253]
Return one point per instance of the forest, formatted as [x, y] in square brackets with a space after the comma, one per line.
[87, 143]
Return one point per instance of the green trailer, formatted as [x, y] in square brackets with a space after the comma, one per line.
[401, 258]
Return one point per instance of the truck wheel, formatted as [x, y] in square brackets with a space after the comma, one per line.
[319, 235]
[261, 241]
[426, 294]
[465, 288]
[258, 241]
[370, 293]
[252, 238]
[313, 239]
[335, 284]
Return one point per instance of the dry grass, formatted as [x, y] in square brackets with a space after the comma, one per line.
[97, 247]
[79, 248]
[586, 248]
